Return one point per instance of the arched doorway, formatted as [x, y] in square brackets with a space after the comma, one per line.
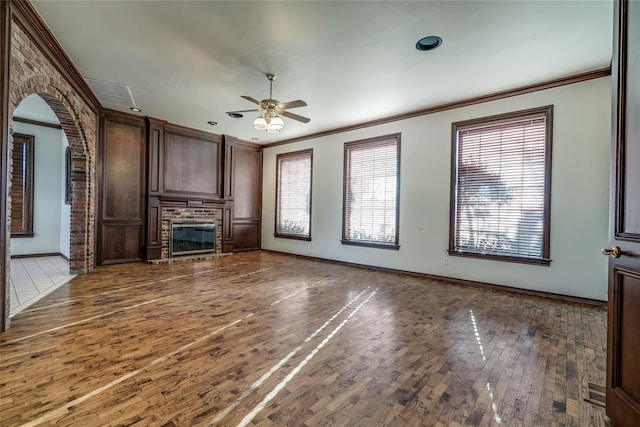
[40, 205]
[82, 170]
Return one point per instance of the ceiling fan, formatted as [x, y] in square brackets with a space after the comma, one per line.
[271, 110]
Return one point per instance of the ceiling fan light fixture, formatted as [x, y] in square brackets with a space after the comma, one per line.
[276, 124]
[260, 123]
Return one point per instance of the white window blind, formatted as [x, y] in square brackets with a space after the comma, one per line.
[371, 192]
[502, 181]
[293, 195]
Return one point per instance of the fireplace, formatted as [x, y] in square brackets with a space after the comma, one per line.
[192, 237]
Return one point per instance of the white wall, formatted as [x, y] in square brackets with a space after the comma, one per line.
[48, 195]
[579, 195]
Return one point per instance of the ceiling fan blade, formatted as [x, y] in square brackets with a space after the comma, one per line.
[240, 111]
[296, 117]
[292, 104]
[249, 98]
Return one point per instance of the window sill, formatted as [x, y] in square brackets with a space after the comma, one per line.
[393, 247]
[504, 258]
[292, 237]
[22, 235]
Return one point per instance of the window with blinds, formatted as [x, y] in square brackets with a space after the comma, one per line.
[371, 192]
[293, 195]
[22, 186]
[501, 187]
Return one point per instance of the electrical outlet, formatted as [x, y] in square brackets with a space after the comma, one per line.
[118, 248]
[445, 260]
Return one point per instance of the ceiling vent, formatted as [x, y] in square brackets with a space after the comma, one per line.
[112, 95]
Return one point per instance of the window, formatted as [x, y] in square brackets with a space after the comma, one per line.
[68, 190]
[22, 186]
[371, 192]
[501, 187]
[293, 195]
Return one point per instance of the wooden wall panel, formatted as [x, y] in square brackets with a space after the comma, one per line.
[122, 162]
[121, 243]
[246, 236]
[243, 167]
[121, 188]
[192, 165]
[247, 183]
[155, 130]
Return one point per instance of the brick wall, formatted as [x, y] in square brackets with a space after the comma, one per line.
[170, 213]
[32, 73]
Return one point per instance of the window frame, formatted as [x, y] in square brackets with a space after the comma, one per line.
[279, 157]
[26, 218]
[347, 146]
[68, 189]
[547, 113]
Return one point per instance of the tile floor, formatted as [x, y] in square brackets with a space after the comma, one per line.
[34, 278]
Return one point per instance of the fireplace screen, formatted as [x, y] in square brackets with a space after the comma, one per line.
[192, 238]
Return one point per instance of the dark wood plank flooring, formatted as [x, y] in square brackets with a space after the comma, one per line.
[268, 339]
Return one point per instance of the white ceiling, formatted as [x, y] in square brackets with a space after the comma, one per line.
[351, 61]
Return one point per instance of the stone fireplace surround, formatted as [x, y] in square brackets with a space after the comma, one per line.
[182, 213]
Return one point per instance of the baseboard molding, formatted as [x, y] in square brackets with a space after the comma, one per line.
[463, 282]
[40, 255]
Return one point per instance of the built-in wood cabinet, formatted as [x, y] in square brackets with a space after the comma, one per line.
[121, 188]
[244, 170]
[146, 164]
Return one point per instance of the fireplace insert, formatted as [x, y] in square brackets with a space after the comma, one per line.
[192, 237]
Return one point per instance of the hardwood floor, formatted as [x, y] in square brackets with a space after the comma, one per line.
[267, 339]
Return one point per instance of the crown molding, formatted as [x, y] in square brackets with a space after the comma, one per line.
[25, 15]
[549, 84]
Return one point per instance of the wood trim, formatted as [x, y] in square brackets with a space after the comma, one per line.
[547, 112]
[26, 188]
[39, 255]
[549, 84]
[275, 225]
[28, 18]
[452, 280]
[37, 123]
[5, 48]
[191, 133]
[396, 244]
[121, 117]
[232, 140]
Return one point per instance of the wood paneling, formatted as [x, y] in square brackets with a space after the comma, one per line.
[247, 183]
[155, 131]
[203, 343]
[5, 43]
[121, 243]
[246, 236]
[243, 166]
[228, 169]
[192, 164]
[122, 188]
[227, 227]
[122, 165]
[623, 347]
[22, 186]
[153, 246]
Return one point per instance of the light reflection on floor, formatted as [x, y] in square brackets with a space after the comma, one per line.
[494, 407]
